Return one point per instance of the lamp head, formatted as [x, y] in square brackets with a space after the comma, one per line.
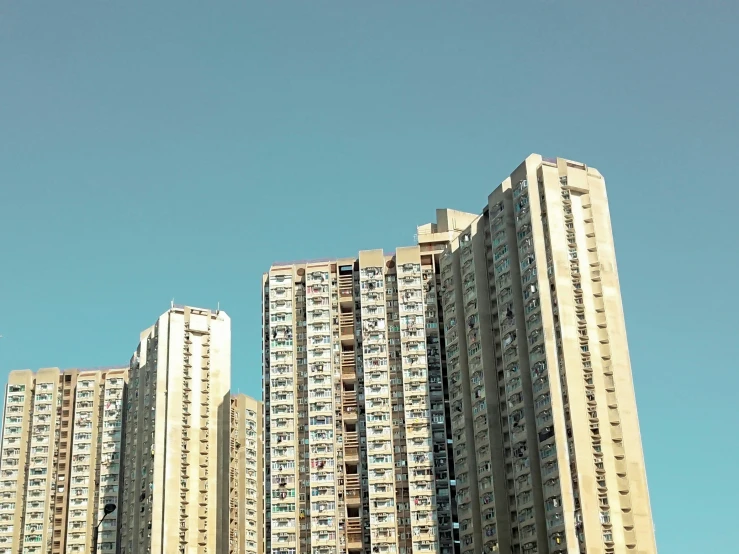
[109, 509]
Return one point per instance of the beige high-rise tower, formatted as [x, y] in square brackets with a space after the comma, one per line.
[246, 507]
[513, 318]
[176, 487]
[547, 447]
[356, 448]
[64, 428]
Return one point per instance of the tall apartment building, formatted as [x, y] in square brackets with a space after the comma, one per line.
[176, 489]
[60, 460]
[511, 346]
[547, 447]
[355, 439]
[246, 508]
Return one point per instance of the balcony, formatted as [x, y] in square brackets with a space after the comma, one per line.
[348, 366]
[346, 324]
[351, 447]
[354, 533]
[349, 401]
[350, 413]
[346, 290]
[352, 491]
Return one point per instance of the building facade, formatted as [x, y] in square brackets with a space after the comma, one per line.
[500, 335]
[176, 490]
[96, 460]
[355, 436]
[60, 460]
[246, 504]
[547, 447]
[472, 393]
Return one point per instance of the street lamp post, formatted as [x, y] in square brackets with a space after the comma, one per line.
[107, 509]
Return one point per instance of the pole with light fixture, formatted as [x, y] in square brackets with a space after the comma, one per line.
[107, 509]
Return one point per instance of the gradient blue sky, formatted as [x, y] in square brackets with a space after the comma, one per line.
[157, 150]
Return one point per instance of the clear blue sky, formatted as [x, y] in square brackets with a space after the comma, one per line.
[157, 150]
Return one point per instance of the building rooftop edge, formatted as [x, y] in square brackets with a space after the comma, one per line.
[68, 369]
